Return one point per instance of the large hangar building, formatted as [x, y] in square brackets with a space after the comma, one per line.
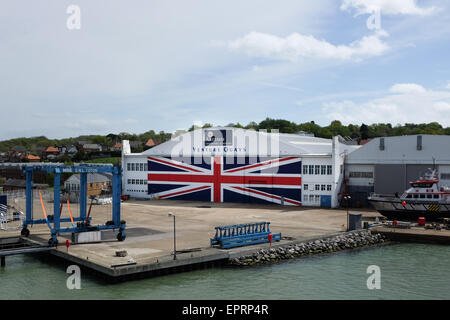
[386, 165]
[235, 165]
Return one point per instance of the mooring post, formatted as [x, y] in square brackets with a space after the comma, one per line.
[3, 261]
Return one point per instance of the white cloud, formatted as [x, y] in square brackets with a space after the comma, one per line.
[448, 85]
[295, 46]
[401, 104]
[407, 88]
[390, 7]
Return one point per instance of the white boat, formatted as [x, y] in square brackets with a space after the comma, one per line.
[425, 198]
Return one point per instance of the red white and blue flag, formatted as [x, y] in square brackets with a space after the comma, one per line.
[242, 179]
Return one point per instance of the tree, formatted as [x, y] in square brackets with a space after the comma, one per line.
[364, 132]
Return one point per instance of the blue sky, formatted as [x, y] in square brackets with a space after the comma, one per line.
[163, 65]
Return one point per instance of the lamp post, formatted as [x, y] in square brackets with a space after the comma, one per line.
[347, 199]
[174, 237]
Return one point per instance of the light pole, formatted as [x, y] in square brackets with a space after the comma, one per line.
[174, 237]
[347, 199]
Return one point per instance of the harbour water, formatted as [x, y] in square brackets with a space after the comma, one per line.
[408, 271]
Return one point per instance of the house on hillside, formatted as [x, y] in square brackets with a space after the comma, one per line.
[116, 147]
[50, 153]
[136, 144]
[16, 154]
[92, 147]
[33, 158]
[96, 183]
[151, 143]
[72, 150]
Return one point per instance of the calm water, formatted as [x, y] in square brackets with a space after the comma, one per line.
[408, 271]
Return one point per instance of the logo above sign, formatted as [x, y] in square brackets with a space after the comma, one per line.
[221, 137]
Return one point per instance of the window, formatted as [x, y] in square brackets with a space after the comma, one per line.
[422, 196]
[133, 181]
[305, 169]
[445, 176]
[328, 187]
[141, 166]
[317, 187]
[132, 167]
[323, 169]
[317, 198]
[145, 167]
[317, 169]
[409, 196]
[311, 169]
[129, 166]
[361, 174]
[416, 196]
[429, 196]
[305, 197]
[329, 170]
[436, 196]
[311, 197]
[322, 187]
[305, 187]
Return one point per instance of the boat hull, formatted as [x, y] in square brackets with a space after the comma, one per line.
[411, 211]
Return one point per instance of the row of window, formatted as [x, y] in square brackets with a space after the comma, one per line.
[318, 169]
[72, 187]
[137, 181]
[360, 174]
[422, 196]
[137, 167]
[311, 198]
[76, 187]
[445, 176]
[317, 187]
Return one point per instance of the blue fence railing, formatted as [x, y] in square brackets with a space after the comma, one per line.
[238, 235]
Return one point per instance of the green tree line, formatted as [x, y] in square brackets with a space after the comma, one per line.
[354, 131]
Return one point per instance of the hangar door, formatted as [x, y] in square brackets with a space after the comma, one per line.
[392, 178]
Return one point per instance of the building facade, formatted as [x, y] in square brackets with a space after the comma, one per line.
[97, 184]
[386, 165]
[235, 165]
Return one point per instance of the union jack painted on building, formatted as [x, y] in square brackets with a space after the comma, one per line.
[242, 179]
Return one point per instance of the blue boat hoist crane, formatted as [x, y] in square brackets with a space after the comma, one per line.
[83, 222]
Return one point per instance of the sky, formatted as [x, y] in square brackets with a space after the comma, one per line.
[69, 68]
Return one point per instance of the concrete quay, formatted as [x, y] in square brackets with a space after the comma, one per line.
[150, 236]
[415, 234]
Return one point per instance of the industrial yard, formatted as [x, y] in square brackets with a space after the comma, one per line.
[150, 230]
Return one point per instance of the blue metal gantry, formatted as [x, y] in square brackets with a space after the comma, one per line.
[238, 235]
[82, 222]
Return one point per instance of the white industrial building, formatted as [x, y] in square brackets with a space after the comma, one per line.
[386, 165]
[236, 165]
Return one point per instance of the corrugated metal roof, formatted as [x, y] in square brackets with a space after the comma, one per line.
[403, 149]
[246, 142]
[91, 178]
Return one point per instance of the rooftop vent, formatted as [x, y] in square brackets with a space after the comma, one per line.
[419, 142]
[382, 144]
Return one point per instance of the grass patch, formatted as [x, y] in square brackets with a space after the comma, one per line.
[113, 160]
